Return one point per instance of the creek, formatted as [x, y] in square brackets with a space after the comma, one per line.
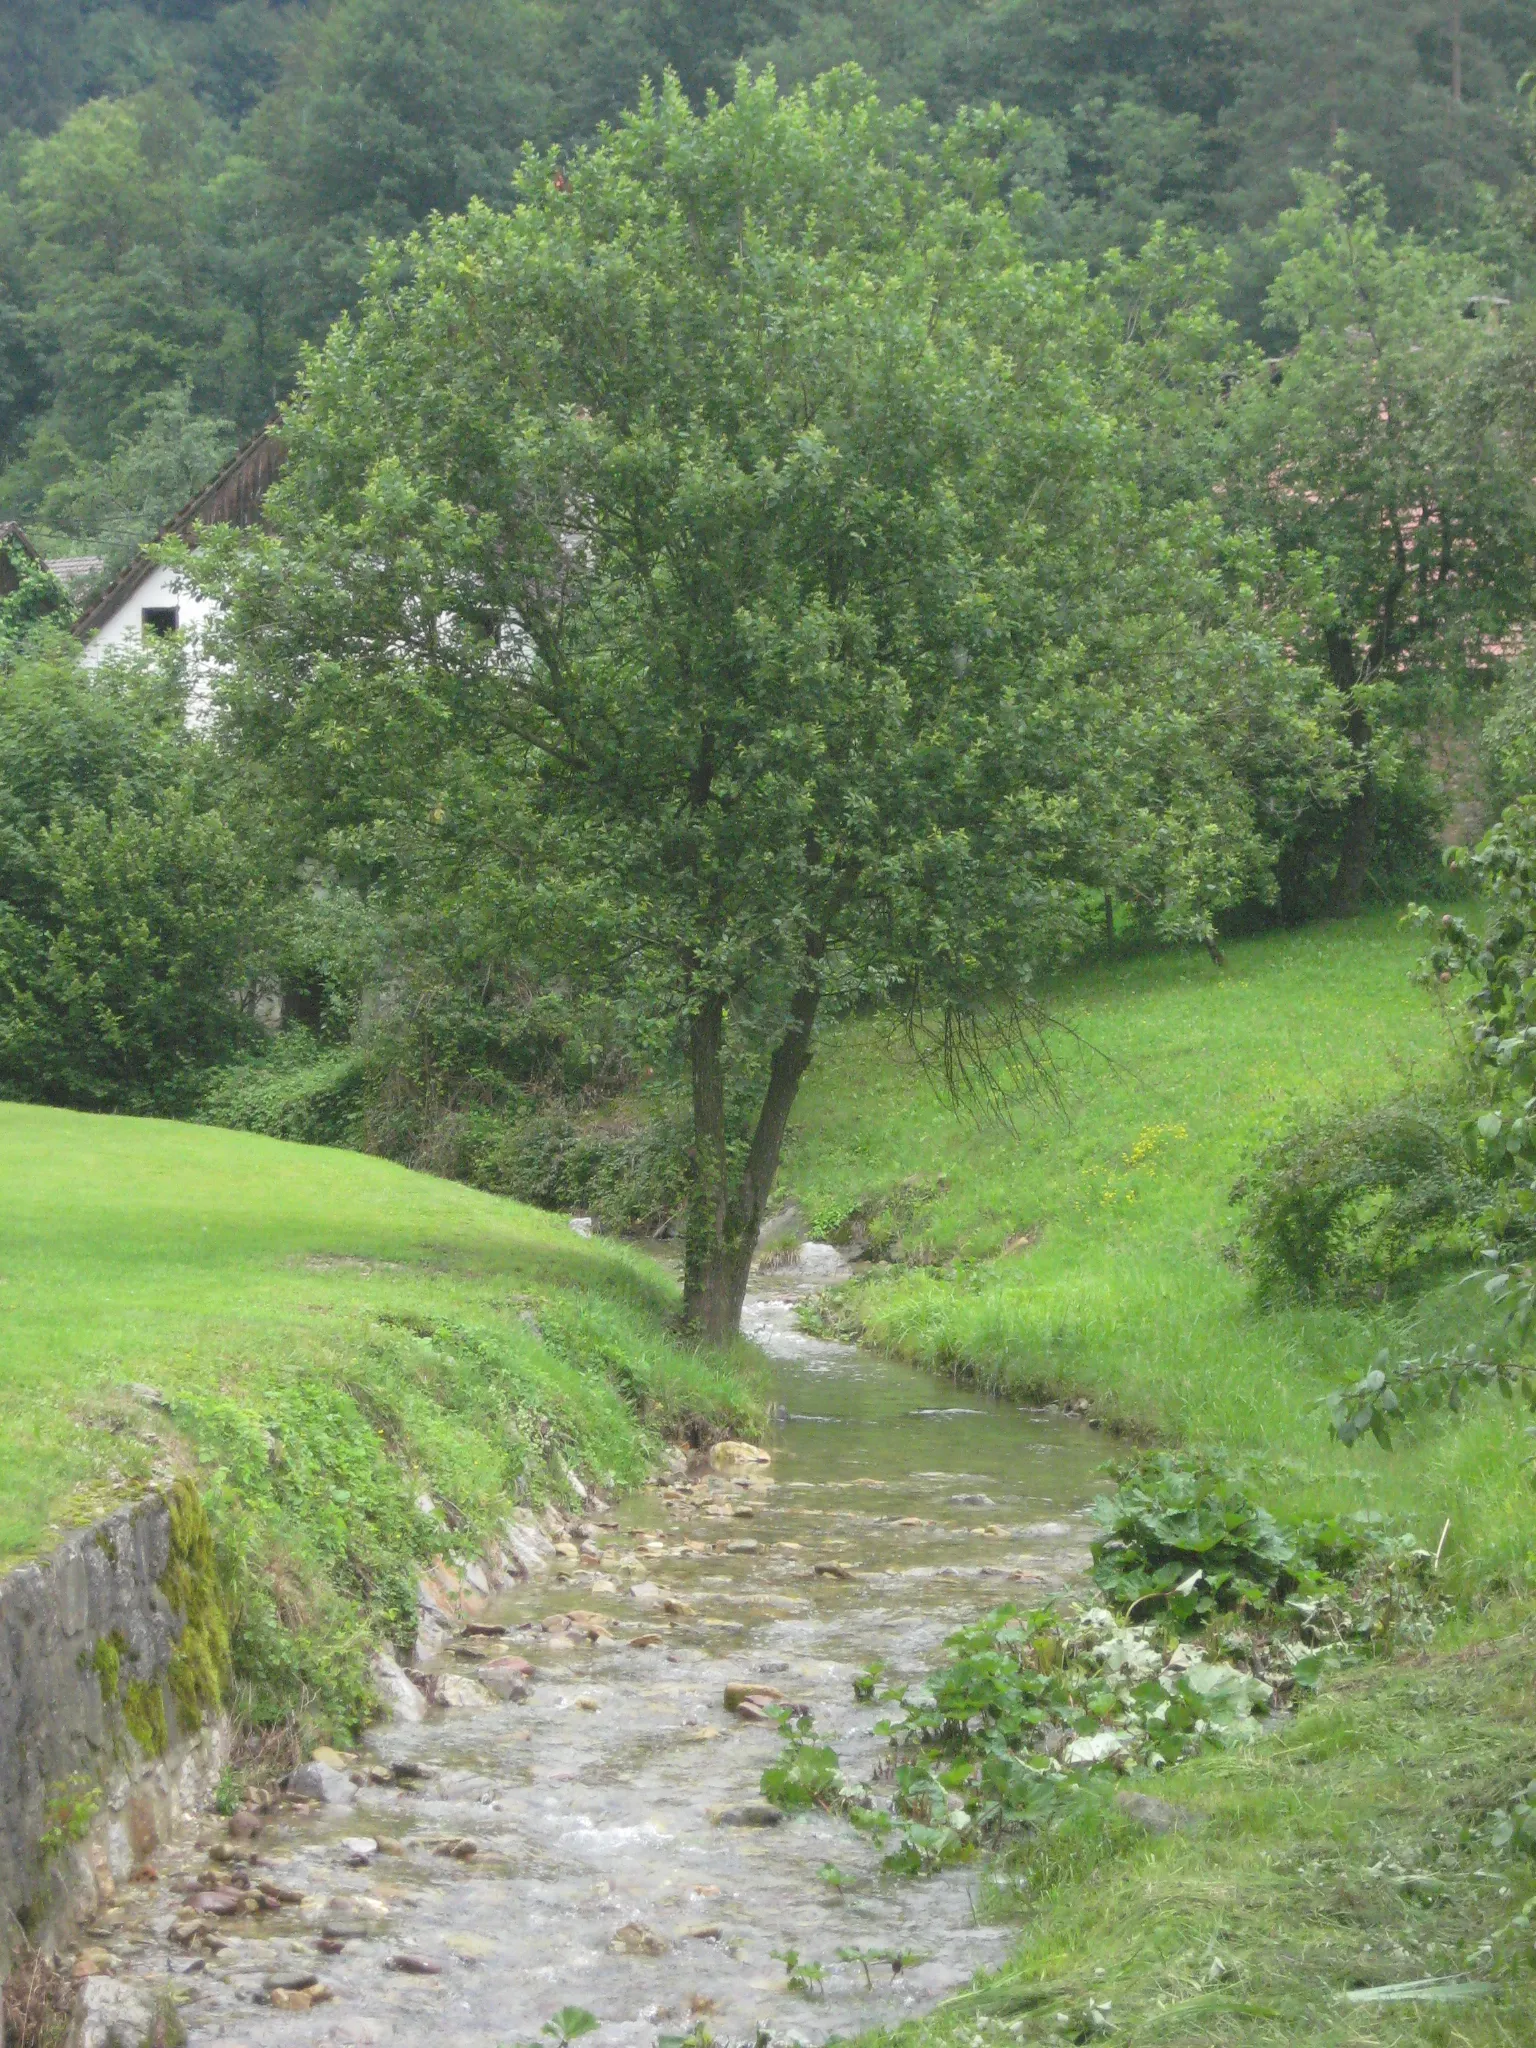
[606, 1868]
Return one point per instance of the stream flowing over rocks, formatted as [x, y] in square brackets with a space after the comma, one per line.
[576, 1820]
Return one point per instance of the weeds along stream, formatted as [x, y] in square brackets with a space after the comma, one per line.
[603, 1844]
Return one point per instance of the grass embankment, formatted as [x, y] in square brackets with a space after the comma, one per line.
[1088, 1253]
[334, 1338]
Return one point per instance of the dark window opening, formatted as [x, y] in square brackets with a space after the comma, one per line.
[160, 618]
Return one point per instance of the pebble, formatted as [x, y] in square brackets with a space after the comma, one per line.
[414, 1966]
[739, 1689]
[753, 1813]
[830, 1568]
[645, 1642]
[460, 1847]
[221, 1904]
[636, 1939]
[304, 1980]
[359, 1849]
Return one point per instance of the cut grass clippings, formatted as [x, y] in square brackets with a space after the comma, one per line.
[1351, 1850]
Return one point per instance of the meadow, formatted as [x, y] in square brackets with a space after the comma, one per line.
[1088, 1249]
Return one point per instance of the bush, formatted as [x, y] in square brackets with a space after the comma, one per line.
[1353, 1204]
[127, 903]
[297, 1090]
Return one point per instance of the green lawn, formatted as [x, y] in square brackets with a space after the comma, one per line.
[1120, 1284]
[332, 1337]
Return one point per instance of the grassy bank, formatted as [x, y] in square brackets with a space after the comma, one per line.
[1354, 1849]
[331, 1341]
[1089, 1252]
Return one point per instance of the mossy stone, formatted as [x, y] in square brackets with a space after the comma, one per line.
[199, 1668]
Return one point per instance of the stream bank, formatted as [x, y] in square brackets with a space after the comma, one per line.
[598, 1838]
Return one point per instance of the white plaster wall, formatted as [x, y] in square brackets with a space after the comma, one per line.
[161, 587]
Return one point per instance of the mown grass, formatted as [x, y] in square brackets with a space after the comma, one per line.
[330, 1338]
[1089, 1251]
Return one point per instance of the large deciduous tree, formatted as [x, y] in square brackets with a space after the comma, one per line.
[737, 528]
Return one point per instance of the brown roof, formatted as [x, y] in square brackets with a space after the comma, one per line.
[232, 499]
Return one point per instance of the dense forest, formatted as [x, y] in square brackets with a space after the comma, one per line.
[189, 188]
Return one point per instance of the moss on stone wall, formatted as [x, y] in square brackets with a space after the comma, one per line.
[107, 1663]
[199, 1666]
[144, 1715]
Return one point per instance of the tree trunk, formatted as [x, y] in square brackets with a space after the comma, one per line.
[1109, 922]
[723, 1220]
[1359, 845]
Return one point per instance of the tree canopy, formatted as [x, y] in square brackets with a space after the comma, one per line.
[741, 524]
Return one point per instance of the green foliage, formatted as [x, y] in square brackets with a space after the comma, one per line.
[1189, 1542]
[127, 903]
[69, 1807]
[35, 598]
[807, 1772]
[123, 500]
[848, 728]
[1395, 1388]
[1400, 504]
[1355, 1204]
[801, 1976]
[294, 1089]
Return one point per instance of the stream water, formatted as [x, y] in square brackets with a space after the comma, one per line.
[608, 1867]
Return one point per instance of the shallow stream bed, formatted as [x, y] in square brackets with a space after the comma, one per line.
[607, 1866]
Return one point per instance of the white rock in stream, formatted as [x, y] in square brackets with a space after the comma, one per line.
[395, 1690]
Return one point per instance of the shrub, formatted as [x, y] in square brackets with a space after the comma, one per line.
[1353, 1204]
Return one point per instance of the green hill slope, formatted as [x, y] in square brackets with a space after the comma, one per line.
[329, 1338]
[1088, 1252]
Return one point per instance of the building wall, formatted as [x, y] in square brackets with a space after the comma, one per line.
[122, 632]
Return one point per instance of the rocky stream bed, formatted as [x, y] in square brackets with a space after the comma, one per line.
[596, 1838]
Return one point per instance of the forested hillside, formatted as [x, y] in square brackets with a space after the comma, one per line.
[188, 188]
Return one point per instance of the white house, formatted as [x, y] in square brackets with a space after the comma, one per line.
[146, 598]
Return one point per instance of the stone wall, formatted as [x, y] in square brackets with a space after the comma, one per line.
[93, 1746]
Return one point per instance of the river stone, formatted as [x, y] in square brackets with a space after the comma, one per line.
[108, 2014]
[739, 1689]
[220, 1904]
[359, 1849]
[634, 1938]
[732, 1456]
[402, 1700]
[323, 1782]
[752, 1813]
[1156, 1815]
[507, 1677]
[414, 1966]
[450, 1690]
[296, 1980]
